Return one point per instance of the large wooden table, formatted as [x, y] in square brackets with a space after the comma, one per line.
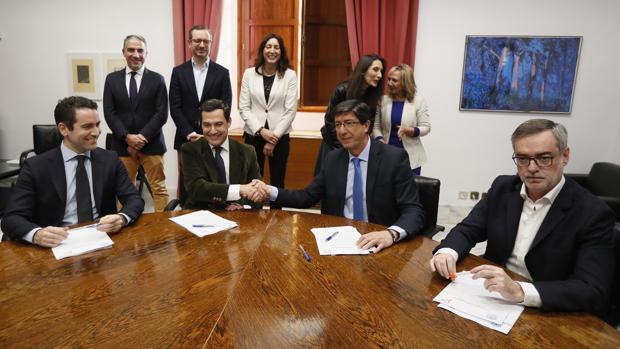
[250, 287]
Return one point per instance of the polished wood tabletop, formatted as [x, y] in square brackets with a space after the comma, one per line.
[250, 287]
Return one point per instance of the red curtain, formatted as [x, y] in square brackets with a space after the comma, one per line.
[187, 13]
[386, 27]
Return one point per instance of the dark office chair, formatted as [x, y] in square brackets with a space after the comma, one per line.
[428, 193]
[140, 177]
[172, 204]
[44, 138]
[604, 182]
[613, 318]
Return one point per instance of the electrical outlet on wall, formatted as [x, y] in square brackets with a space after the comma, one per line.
[462, 195]
[474, 195]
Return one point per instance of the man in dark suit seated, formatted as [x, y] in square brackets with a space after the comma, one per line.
[135, 106]
[73, 183]
[541, 225]
[192, 83]
[218, 169]
[364, 180]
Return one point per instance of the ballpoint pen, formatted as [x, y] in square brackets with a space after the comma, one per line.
[331, 236]
[306, 255]
[202, 225]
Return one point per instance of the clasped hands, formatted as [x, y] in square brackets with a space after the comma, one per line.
[256, 191]
[271, 139]
[52, 236]
[496, 279]
[135, 143]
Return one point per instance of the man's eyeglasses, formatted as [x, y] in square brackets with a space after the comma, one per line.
[198, 41]
[347, 124]
[540, 161]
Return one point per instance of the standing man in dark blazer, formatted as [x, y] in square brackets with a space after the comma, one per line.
[73, 183]
[192, 83]
[384, 192]
[541, 225]
[135, 106]
[218, 169]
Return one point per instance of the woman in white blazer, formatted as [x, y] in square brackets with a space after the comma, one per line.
[403, 117]
[268, 105]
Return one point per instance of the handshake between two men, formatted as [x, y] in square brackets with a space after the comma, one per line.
[256, 191]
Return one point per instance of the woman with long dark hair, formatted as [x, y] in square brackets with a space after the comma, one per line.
[365, 84]
[268, 105]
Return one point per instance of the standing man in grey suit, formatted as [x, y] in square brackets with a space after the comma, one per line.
[136, 108]
[193, 83]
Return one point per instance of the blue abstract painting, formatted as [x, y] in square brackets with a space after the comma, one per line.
[519, 74]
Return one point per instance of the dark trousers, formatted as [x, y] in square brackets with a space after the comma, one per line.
[277, 162]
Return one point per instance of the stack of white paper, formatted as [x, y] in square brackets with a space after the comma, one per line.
[203, 223]
[343, 241]
[82, 240]
[468, 298]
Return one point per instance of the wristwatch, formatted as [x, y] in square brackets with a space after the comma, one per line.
[258, 132]
[394, 234]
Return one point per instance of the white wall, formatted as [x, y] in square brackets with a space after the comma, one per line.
[466, 149]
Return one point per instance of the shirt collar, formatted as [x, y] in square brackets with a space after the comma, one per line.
[364, 154]
[207, 61]
[225, 145]
[550, 196]
[139, 71]
[68, 154]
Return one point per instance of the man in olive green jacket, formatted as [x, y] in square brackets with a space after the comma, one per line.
[218, 171]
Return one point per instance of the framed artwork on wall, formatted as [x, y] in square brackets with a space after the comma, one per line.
[84, 75]
[520, 73]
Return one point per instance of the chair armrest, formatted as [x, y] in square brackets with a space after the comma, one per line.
[23, 156]
[171, 205]
[614, 203]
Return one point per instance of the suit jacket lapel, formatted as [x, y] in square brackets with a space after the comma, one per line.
[340, 180]
[208, 81]
[555, 215]
[57, 166]
[143, 85]
[97, 172]
[374, 163]
[514, 207]
[189, 80]
[209, 161]
[235, 161]
[277, 83]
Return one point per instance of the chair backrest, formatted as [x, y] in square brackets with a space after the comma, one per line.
[428, 193]
[45, 137]
[604, 179]
[613, 318]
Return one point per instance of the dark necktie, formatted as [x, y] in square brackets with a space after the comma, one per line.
[82, 192]
[133, 87]
[219, 164]
[358, 191]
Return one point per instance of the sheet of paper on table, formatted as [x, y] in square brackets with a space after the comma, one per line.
[344, 242]
[82, 240]
[202, 223]
[469, 299]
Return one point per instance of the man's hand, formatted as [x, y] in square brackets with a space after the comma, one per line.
[269, 136]
[111, 223]
[444, 264]
[193, 137]
[50, 236]
[234, 207]
[251, 192]
[380, 239]
[497, 280]
[262, 187]
[268, 149]
[135, 141]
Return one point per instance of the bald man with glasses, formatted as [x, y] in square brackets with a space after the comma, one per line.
[540, 225]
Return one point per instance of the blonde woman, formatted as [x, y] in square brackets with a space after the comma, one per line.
[403, 117]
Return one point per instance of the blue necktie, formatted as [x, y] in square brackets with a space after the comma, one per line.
[133, 87]
[358, 191]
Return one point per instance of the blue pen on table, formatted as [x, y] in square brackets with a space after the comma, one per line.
[202, 225]
[306, 255]
[331, 236]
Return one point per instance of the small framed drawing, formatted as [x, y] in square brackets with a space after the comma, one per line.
[520, 73]
[84, 75]
[112, 62]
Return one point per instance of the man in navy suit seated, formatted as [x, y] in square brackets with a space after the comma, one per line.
[540, 225]
[73, 183]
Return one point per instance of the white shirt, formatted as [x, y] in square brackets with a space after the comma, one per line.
[139, 74]
[533, 214]
[233, 189]
[200, 76]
